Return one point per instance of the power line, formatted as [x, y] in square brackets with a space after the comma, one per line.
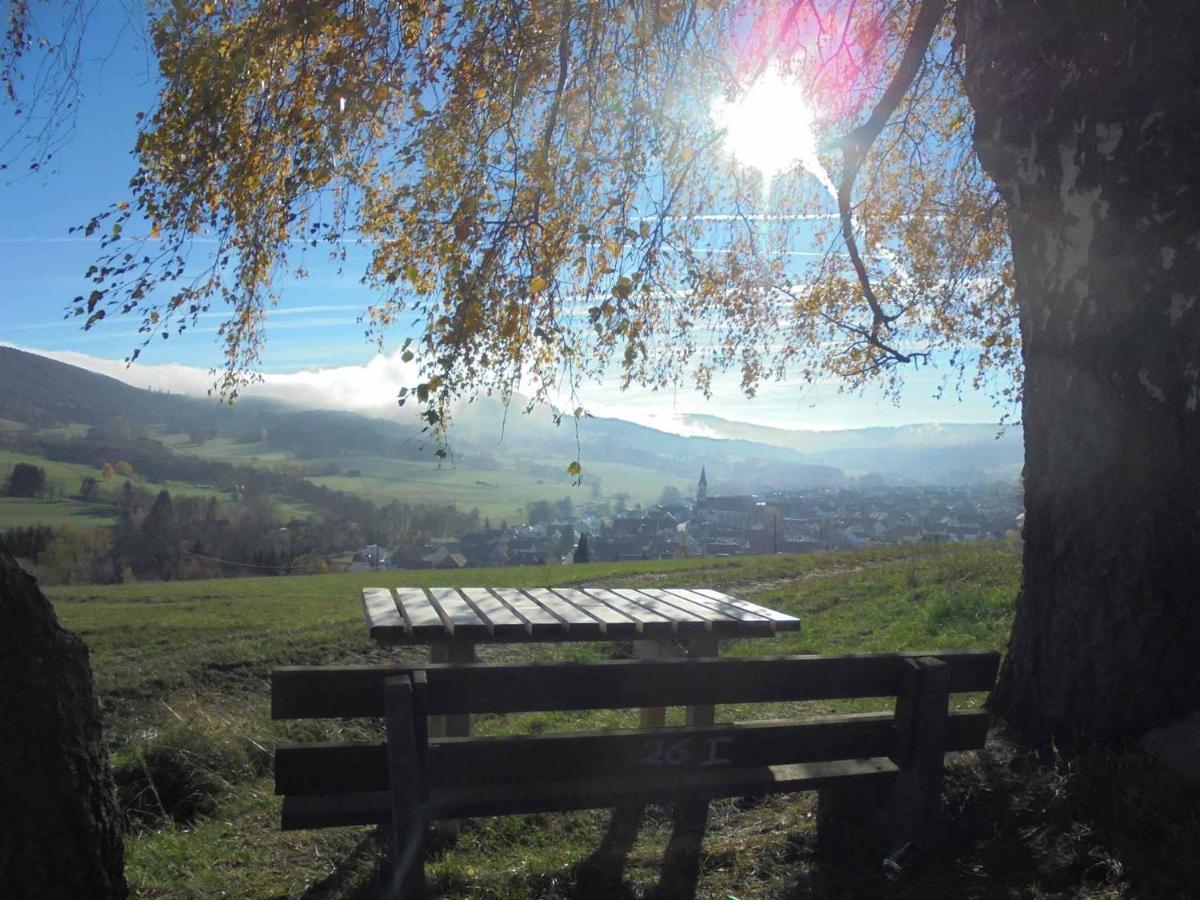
[230, 562]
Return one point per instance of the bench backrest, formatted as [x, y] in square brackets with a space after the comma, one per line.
[356, 691]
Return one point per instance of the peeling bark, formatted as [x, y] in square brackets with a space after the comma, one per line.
[1088, 119]
[59, 828]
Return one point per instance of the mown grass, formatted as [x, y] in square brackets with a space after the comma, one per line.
[183, 672]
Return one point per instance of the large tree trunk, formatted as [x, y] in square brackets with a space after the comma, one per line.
[59, 828]
[1088, 119]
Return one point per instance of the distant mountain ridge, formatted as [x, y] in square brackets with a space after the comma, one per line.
[740, 457]
[923, 452]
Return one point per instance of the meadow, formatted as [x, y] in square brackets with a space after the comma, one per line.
[500, 491]
[65, 479]
[183, 672]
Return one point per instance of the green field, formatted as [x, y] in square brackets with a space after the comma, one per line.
[499, 493]
[21, 512]
[65, 479]
[183, 671]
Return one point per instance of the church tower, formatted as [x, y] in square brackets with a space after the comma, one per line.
[702, 488]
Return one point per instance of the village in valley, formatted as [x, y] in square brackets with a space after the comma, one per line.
[812, 520]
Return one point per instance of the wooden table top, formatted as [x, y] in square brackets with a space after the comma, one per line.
[408, 615]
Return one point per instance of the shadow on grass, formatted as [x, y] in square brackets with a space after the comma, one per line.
[1100, 824]
[359, 876]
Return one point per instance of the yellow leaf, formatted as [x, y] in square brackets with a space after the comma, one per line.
[537, 285]
[480, 93]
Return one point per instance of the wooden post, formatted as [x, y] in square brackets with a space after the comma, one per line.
[681, 860]
[420, 689]
[458, 725]
[654, 716]
[922, 723]
[407, 876]
[701, 646]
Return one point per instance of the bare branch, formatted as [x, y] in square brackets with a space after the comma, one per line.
[858, 143]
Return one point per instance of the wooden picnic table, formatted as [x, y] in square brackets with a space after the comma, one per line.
[452, 621]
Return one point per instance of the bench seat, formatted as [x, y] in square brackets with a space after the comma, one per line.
[468, 800]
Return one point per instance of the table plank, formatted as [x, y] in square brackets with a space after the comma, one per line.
[461, 620]
[502, 621]
[749, 623]
[578, 622]
[421, 614]
[649, 624]
[613, 623]
[681, 622]
[782, 621]
[715, 622]
[541, 623]
[383, 617]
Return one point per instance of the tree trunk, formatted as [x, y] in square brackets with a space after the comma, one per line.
[59, 829]
[1088, 119]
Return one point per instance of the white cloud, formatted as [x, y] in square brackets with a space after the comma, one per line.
[364, 388]
[372, 388]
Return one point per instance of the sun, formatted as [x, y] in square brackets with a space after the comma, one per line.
[770, 127]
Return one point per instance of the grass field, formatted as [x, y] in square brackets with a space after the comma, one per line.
[498, 493]
[183, 672]
[66, 478]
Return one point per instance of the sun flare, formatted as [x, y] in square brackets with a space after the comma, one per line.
[770, 127]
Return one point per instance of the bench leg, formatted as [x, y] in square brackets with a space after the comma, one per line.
[407, 876]
[653, 716]
[704, 645]
[922, 723]
[681, 860]
[458, 725]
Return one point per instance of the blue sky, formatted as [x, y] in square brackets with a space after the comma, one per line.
[315, 326]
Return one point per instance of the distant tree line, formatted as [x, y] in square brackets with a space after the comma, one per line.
[26, 480]
[543, 511]
[155, 462]
[161, 536]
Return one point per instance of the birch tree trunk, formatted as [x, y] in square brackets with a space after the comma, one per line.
[1088, 119]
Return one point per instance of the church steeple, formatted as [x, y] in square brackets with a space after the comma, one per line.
[702, 488]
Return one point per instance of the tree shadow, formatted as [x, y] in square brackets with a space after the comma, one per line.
[602, 874]
[1023, 823]
[358, 876]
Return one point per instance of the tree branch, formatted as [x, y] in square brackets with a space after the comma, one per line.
[858, 143]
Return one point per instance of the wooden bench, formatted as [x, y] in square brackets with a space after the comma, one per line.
[409, 780]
